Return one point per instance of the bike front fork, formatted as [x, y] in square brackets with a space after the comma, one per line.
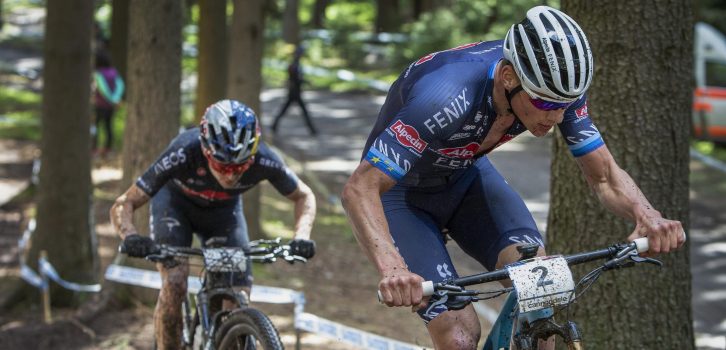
[544, 329]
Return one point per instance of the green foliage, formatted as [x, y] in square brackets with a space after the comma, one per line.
[711, 149]
[344, 19]
[19, 114]
[465, 22]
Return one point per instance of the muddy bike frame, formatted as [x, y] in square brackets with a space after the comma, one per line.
[205, 308]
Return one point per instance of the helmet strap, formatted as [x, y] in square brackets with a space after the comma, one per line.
[510, 94]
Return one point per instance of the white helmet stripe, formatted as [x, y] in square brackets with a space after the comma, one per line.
[531, 57]
[562, 38]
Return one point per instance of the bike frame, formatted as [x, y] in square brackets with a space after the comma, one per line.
[528, 327]
[209, 315]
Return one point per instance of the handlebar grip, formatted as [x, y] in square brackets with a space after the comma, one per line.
[427, 286]
[641, 244]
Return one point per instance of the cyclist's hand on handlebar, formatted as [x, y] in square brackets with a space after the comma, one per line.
[138, 246]
[303, 247]
[664, 235]
[402, 288]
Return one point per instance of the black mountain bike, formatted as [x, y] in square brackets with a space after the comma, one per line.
[207, 325]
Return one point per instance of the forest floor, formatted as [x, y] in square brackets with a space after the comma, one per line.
[338, 283]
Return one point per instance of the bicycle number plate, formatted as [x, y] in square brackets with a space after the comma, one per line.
[541, 282]
[225, 260]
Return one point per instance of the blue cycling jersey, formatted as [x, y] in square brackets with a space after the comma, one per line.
[440, 110]
[427, 136]
[183, 167]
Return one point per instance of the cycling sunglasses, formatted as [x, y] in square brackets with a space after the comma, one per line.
[228, 168]
[544, 105]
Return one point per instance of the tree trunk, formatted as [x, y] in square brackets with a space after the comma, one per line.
[64, 191]
[153, 87]
[1, 15]
[388, 16]
[212, 59]
[120, 34]
[291, 22]
[245, 81]
[422, 6]
[640, 100]
[318, 19]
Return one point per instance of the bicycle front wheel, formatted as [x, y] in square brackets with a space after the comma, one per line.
[248, 329]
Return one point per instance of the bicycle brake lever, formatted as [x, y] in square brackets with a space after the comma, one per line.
[640, 259]
[293, 258]
[441, 299]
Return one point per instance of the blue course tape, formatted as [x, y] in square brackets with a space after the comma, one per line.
[264, 294]
[332, 330]
[45, 268]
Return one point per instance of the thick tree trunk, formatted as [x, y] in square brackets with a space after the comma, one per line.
[153, 86]
[64, 192]
[245, 81]
[388, 17]
[120, 34]
[318, 19]
[291, 22]
[212, 59]
[640, 99]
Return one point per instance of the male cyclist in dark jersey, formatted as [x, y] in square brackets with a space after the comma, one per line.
[425, 170]
[195, 186]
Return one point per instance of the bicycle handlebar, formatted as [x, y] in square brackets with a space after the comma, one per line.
[614, 251]
[263, 251]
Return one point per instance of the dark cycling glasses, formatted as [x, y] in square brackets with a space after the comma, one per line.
[544, 105]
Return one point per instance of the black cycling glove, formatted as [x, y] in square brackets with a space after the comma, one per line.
[138, 246]
[303, 247]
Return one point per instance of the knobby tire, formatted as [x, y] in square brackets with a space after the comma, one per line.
[241, 324]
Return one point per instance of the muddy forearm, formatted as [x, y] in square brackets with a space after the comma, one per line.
[122, 211]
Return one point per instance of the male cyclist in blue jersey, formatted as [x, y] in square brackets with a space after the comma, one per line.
[195, 186]
[425, 170]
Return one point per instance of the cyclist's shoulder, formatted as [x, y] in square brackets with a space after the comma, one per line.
[466, 56]
[186, 138]
[268, 158]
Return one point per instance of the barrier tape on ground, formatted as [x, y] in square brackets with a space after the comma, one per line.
[714, 163]
[260, 294]
[46, 269]
[152, 279]
[329, 329]
[264, 294]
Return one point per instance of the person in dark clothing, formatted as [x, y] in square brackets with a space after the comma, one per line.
[294, 93]
[109, 88]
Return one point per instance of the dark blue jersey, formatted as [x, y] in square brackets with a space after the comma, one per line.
[440, 110]
[183, 168]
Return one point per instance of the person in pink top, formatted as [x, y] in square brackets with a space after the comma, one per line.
[108, 90]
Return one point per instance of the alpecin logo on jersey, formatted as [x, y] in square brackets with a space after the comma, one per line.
[582, 111]
[408, 136]
[465, 152]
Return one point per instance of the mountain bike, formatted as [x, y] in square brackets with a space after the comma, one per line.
[206, 324]
[542, 287]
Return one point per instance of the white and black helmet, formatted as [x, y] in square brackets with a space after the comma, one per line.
[550, 54]
[230, 131]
